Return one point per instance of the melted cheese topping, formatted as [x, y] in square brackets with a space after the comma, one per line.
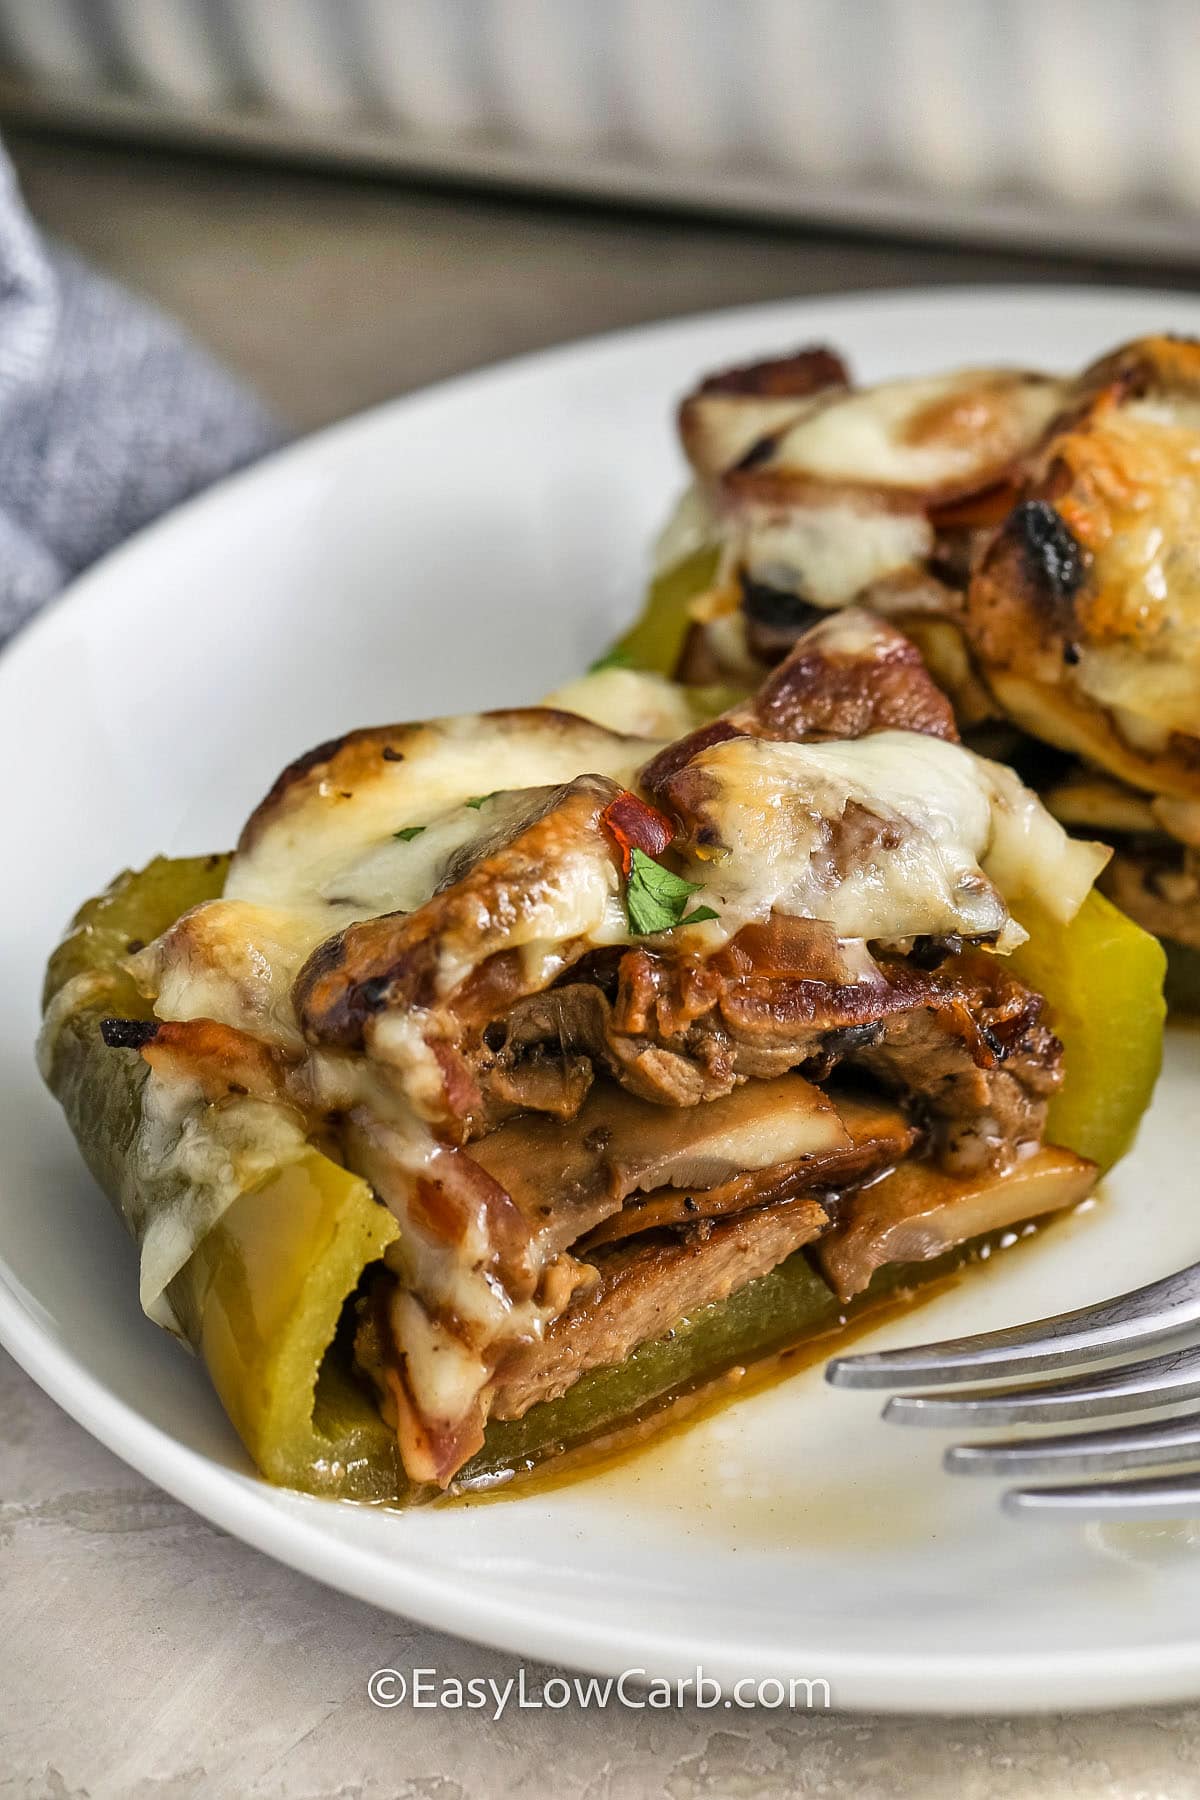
[718, 429]
[235, 962]
[891, 836]
[323, 833]
[829, 553]
[691, 527]
[203, 1157]
[925, 434]
[882, 455]
[1135, 505]
[631, 701]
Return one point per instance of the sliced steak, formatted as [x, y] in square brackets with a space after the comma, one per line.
[646, 1285]
[963, 1044]
[1157, 882]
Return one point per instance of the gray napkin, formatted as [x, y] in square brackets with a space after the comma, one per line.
[109, 414]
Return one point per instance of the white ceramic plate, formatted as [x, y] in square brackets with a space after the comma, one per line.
[472, 546]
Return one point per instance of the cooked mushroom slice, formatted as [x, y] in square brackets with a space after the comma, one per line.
[567, 1179]
[916, 1213]
[729, 414]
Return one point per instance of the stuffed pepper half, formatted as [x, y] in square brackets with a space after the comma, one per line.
[520, 1074]
[1037, 535]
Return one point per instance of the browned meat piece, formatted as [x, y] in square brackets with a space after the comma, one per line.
[1021, 608]
[851, 675]
[423, 960]
[813, 370]
[984, 1107]
[847, 676]
[646, 1285]
[963, 1042]
[1159, 886]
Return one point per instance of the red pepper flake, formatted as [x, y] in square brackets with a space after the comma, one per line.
[636, 826]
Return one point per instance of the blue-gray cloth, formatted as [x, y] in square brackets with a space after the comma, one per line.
[109, 414]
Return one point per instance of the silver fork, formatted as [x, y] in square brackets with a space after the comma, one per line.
[1122, 1327]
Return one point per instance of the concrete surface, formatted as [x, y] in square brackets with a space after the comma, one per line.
[143, 1653]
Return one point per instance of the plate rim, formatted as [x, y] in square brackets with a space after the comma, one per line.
[327, 438]
[946, 1683]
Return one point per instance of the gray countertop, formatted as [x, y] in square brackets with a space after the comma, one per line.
[142, 1651]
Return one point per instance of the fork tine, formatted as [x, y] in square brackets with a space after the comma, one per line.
[1154, 1497]
[1145, 1316]
[1159, 1381]
[1083, 1452]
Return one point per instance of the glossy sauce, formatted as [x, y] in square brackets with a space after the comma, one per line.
[650, 1456]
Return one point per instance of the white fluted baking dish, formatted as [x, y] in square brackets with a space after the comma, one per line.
[1070, 123]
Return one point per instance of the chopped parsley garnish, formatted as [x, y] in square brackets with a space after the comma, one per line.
[481, 800]
[612, 659]
[409, 833]
[656, 899]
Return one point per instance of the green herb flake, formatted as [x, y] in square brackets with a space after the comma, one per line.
[655, 898]
[409, 833]
[482, 799]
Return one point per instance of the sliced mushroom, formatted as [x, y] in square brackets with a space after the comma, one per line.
[567, 1178]
[916, 1212]
[879, 1135]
